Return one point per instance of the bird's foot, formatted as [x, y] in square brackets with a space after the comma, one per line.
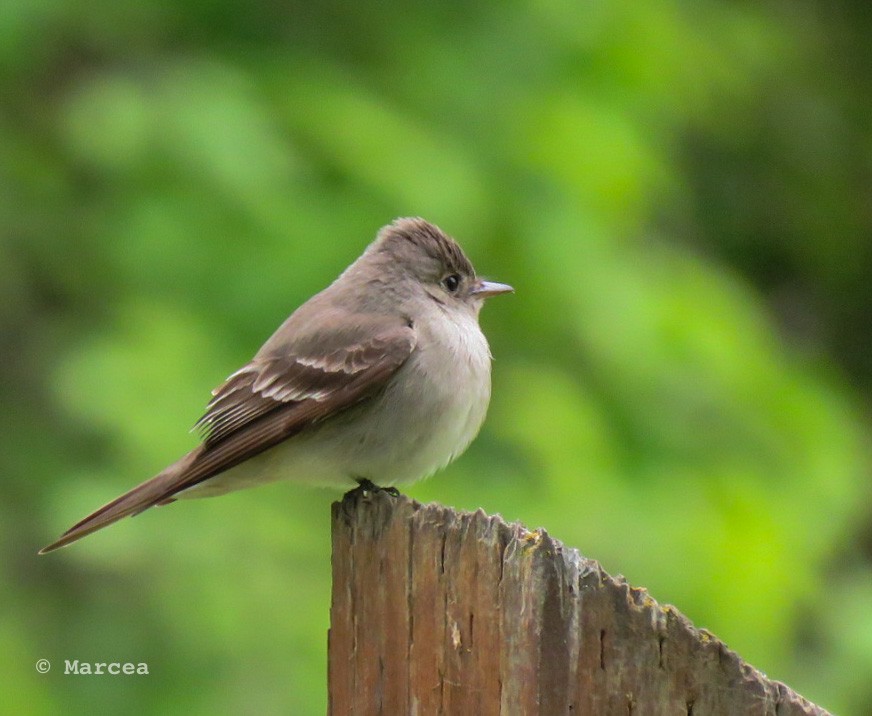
[366, 485]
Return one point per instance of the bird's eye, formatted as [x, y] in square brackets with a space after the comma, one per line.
[451, 283]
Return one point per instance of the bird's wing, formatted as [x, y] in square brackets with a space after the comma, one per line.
[263, 403]
[273, 398]
[299, 389]
[325, 383]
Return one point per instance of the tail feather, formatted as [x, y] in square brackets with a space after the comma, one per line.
[156, 491]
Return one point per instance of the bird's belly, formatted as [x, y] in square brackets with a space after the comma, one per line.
[418, 432]
[408, 432]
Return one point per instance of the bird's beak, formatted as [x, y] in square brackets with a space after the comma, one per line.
[486, 289]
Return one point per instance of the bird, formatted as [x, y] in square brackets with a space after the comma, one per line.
[382, 378]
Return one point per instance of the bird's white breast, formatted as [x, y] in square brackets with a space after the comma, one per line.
[448, 391]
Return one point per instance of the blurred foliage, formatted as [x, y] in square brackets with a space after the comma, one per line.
[678, 191]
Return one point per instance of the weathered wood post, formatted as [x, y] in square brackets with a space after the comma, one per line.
[440, 612]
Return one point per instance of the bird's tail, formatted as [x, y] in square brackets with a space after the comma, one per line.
[159, 490]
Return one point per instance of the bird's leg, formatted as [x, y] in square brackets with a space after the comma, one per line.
[364, 484]
[363, 493]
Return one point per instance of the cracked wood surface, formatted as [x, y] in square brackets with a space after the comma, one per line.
[440, 612]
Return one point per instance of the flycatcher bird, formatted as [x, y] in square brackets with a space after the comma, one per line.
[382, 378]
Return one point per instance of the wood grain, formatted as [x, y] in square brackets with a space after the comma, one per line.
[443, 612]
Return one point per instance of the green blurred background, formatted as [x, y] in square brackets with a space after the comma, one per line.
[679, 192]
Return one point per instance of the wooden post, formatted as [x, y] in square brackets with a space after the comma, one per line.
[440, 612]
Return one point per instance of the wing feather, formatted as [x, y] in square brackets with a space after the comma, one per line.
[275, 383]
